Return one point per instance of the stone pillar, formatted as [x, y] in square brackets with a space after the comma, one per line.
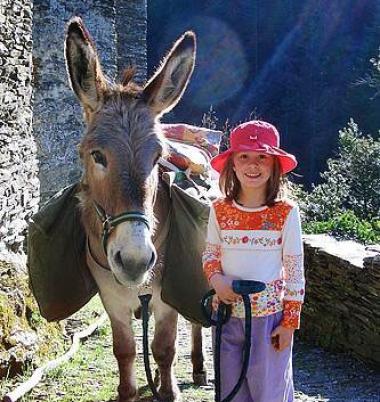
[119, 31]
[57, 119]
[19, 185]
[131, 27]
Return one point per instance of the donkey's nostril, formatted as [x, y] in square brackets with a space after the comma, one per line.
[152, 260]
[118, 259]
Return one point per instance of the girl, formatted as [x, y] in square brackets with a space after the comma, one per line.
[254, 233]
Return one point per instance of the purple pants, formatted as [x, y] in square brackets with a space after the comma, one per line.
[269, 377]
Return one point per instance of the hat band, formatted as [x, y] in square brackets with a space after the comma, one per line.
[251, 147]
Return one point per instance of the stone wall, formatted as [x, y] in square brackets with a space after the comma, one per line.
[19, 185]
[342, 306]
[118, 28]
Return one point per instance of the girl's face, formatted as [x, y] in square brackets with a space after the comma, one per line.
[253, 169]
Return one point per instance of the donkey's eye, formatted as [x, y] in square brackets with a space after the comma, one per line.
[99, 158]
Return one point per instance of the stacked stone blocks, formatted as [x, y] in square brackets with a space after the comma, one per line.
[19, 184]
[342, 306]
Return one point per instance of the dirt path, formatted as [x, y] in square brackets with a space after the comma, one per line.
[318, 375]
[92, 375]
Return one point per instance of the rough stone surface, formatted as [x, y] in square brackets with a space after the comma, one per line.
[131, 28]
[19, 185]
[118, 28]
[342, 305]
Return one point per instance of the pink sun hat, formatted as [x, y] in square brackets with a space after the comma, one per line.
[258, 136]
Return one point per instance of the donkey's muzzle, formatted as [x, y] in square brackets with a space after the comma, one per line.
[129, 270]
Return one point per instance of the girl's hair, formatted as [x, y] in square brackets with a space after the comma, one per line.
[230, 185]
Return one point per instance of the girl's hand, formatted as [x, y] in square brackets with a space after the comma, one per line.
[282, 338]
[215, 302]
[223, 288]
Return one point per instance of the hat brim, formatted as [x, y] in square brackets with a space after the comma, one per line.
[288, 162]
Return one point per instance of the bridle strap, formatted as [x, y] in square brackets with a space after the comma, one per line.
[91, 260]
[110, 222]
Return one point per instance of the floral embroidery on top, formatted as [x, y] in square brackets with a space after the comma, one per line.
[252, 240]
[264, 253]
[268, 226]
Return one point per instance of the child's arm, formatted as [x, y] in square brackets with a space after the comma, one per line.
[293, 265]
[212, 267]
[211, 255]
[292, 260]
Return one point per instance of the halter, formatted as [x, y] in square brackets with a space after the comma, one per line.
[110, 222]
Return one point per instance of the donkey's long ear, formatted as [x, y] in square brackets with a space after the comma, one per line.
[165, 88]
[85, 74]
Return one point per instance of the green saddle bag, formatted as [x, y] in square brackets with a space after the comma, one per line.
[61, 281]
[59, 277]
[183, 281]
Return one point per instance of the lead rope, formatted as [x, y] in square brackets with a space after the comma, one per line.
[246, 349]
[243, 288]
[144, 300]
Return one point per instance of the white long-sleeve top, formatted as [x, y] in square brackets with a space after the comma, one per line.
[262, 244]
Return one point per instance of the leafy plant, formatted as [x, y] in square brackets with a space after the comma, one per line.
[351, 181]
[373, 79]
[347, 226]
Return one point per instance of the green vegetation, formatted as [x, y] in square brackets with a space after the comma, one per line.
[347, 203]
[347, 226]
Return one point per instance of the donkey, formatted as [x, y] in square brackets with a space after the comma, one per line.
[122, 197]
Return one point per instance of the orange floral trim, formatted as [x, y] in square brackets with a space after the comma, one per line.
[231, 218]
[211, 260]
[212, 267]
[291, 314]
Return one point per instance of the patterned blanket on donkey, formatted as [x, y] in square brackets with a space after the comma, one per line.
[191, 147]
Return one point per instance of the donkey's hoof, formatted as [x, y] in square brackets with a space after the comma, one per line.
[127, 396]
[172, 396]
[200, 379]
[119, 399]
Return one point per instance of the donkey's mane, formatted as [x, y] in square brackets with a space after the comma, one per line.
[127, 84]
[127, 76]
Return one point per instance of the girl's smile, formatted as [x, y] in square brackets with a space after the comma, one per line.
[253, 169]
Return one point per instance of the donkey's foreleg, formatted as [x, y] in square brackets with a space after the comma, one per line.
[119, 303]
[164, 349]
[197, 359]
[124, 349]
